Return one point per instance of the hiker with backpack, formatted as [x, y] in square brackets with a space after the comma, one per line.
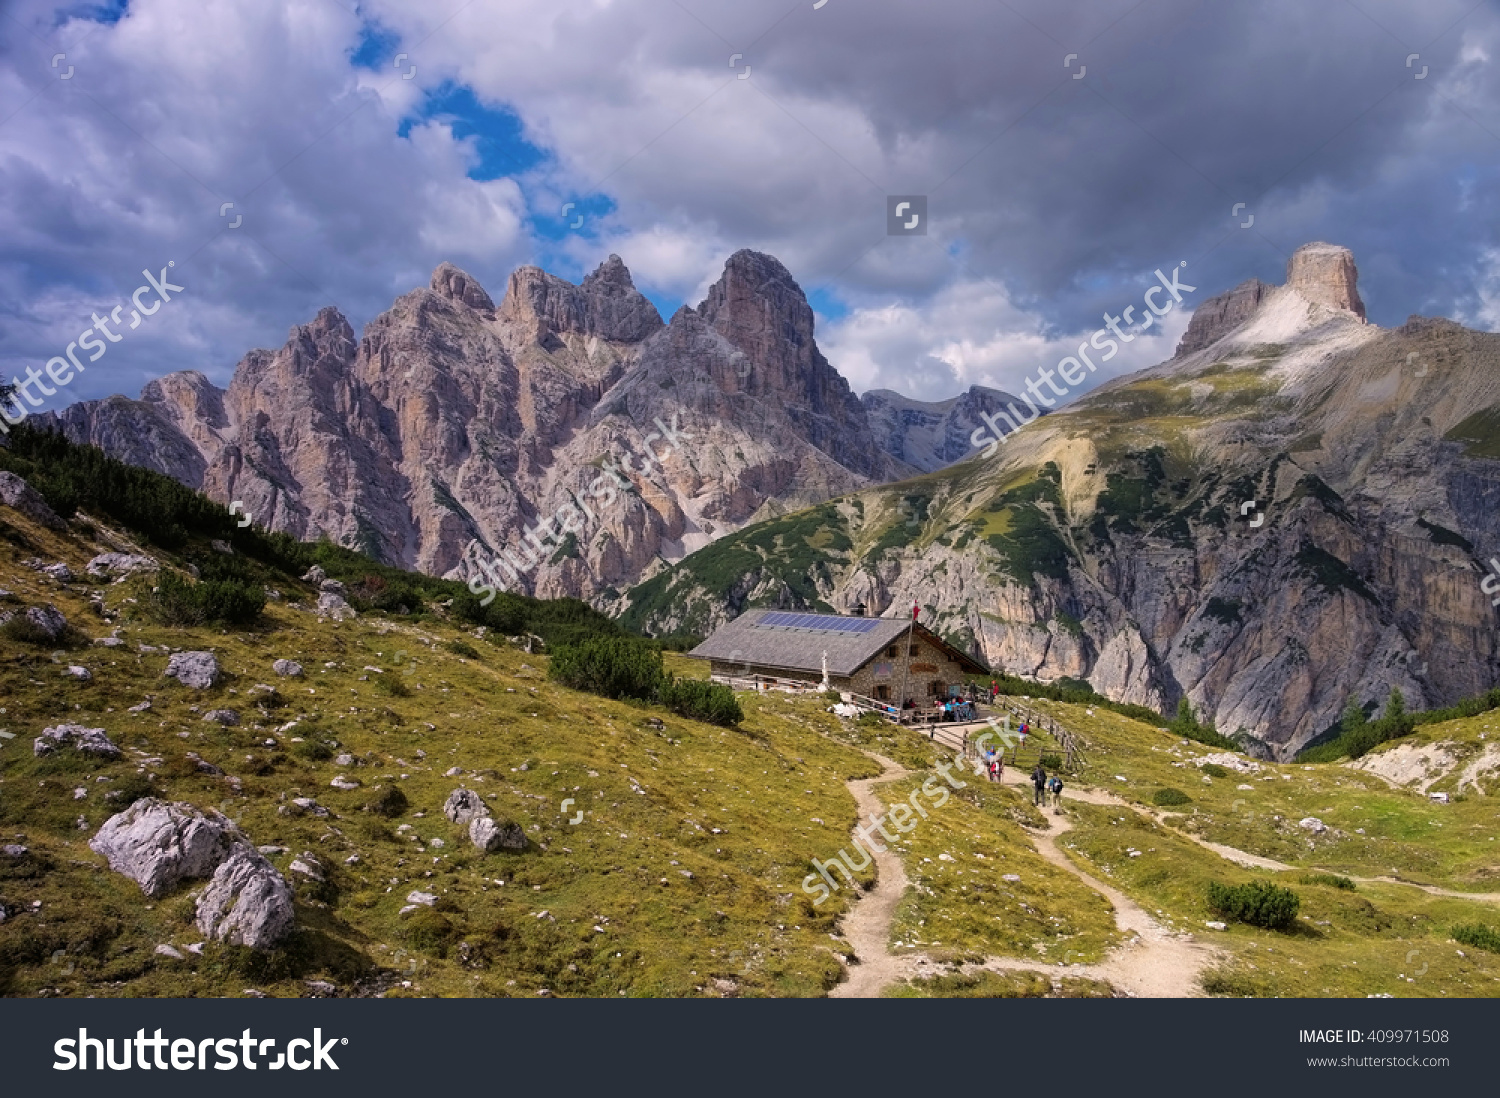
[1056, 786]
[1039, 784]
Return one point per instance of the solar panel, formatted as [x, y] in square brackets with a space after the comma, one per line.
[825, 623]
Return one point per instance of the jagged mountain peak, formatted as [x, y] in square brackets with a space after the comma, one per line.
[1326, 274]
[460, 286]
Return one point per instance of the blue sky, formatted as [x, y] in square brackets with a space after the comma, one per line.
[363, 145]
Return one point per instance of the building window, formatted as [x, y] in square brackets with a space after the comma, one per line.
[913, 651]
[891, 652]
[883, 692]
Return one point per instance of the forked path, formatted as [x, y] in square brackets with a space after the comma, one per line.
[1154, 963]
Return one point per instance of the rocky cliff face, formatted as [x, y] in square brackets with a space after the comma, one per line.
[1298, 508]
[929, 435]
[453, 425]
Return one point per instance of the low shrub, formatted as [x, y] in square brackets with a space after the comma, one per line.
[128, 790]
[1052, 762]
[314, 750]
[1168, 797]
[462, 648]
[176, 601]
[1259, 903]
[388, 801]
[1330, 880]
[1477, 935]
[712, 702]
[388, 682]
[1214, 770]
[612, 667]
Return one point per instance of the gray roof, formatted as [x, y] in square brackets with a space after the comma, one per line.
[800, 647]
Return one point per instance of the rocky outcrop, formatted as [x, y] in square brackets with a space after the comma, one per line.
[158, 844]
[929, 435]
[119, 565]
[247, 902]
[15, 493]
[452, 425]
[464, 805]
[87, 741]
[489, 836]
[289, 669]
[1326, 274]
[1218, 316]
[198, 670]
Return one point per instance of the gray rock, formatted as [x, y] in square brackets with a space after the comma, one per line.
[222, 716]
[307, 865]
[247, 902]
[464, 805]
[108, 642]
[141, 708]
[165, 950]
[13, 850]
[321, 989]
[17, 494]
[220, 546]
[315, 574]
[1312, 823]
[90, 741]
[309, 806]
[290, 669]
[335, 607]
[60, 572]
[199, 670]
[334, 587]
[49, 620]
[344, 783]
[119, 565]
[489, 836]
[416, 897]
[157, 844]
[344, 760]
[82, 674]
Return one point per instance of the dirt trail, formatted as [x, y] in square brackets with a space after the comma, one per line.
[1154, 963]
[868, 924]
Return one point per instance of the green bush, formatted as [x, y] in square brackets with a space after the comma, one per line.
[1214, 770]
[1259, 903]
[388, 682]
[612, 667]
[1168, 797]
[388, 801]
[22, 631]
[1051, 762]
[462, 648]
[712, 702]
[1477, 935]
[176, 601]
[1331, 880]
[128, 790]
[314, 750]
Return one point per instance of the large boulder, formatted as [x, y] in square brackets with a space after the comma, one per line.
[90, 741]
[47, 625]
[247, 903]
[157, 844]
[335, 607]
[200, 670]
[464, 805]
[120, 565]
[489, 836]
[16, 493]
[290, 669]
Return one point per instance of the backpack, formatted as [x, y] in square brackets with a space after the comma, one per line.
[1057, 785]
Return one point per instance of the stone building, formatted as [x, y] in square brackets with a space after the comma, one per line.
[889, 659]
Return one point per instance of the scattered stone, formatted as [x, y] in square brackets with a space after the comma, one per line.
[290, 669]
[165, 950]
[80, 793]
[199, 670]
[452, 772]
[119, 565]
[489, 836]
[221, 546]
[320, 989]
[82, 674]
[20, 496]
[252, 993]
[307, 865]
[222, 716]
[310, 806]
[1312, 823]
[1245, 788]
[344, 783]
[48, 621]
[108, 642]
[1441, 798]
[315, 574]
[196, 947]
[1010, 877]
[464, 805]
[352, 859]
[333, 587]
[157, 844]
[415, 897]
[247, 902]
[59, 571]
[14, 850]
[335, 607]
[90, 741]
[436, 843]
[204, 767]
[1215, 925]
[344, 760]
